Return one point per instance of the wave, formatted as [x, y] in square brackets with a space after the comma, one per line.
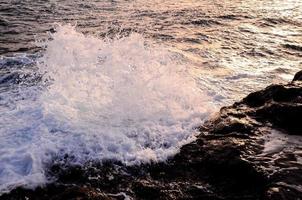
[97, 99]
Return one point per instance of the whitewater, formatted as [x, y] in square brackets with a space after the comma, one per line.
[93, 99]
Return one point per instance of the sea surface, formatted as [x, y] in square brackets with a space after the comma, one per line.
[89, 81]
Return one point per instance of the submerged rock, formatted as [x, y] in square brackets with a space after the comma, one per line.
[250, 150]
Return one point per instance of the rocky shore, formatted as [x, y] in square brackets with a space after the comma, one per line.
[250, 150]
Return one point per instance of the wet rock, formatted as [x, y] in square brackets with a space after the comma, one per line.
[227, 161]
[298, 76]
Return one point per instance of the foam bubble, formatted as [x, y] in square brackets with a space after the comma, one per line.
[99, 99]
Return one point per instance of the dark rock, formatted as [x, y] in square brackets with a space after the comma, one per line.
[298, 76]
[147, 189]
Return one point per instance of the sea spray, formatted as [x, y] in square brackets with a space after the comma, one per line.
[99, 99]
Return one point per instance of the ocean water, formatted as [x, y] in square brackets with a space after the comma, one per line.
[129, 80]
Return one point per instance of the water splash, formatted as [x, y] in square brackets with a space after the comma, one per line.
[99, 99]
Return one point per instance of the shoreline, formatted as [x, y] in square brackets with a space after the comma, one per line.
[227, 161]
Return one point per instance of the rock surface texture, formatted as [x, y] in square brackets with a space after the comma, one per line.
[250, 150]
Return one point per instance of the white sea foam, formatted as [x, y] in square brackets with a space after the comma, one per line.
[101, 99]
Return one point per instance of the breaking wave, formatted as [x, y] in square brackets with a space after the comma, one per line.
[97, 99]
